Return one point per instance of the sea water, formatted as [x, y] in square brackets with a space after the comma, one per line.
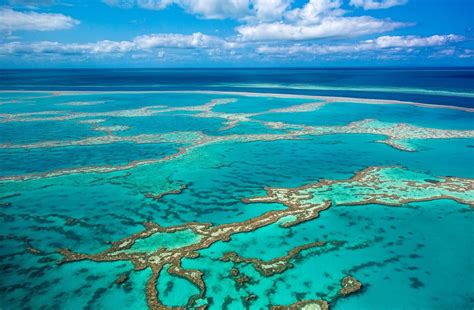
[415, 256]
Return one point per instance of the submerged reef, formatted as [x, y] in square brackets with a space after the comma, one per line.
[398, 136]
[306, 305]
[349, 285]
[205, 158]
[391, 186]
[276, 265]
[170, 192]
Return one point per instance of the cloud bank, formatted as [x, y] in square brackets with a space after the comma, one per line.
[328, 27]
[263, 30]
[11, 20]
[387, 43]
[376, 4]
[144, 43]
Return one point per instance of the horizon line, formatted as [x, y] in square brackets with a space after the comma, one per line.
[246, 68]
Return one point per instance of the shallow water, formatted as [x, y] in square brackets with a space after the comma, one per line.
[86, 196]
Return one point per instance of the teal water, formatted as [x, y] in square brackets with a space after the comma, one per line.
[349, 112]
[416, 256]
[29, 132]
[21, 161]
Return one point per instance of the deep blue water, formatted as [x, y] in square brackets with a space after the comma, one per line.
[450, 86]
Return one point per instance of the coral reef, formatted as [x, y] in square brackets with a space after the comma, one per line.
[274, 266]
[305, 305]
[392, 186]
[349, 285]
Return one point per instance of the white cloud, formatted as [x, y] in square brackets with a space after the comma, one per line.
[466, 53]
[216, 9]
[414, 41]
[311, 49]
[376, 4]
[147, 43]
[30, 4]
[317, 19]
[153, 4]
[195, 40]
[11, 20]
[249, 10]
[144, 43]
[267, 20]
[445, 52]
[268, 10]
[313, 11]
[392, 43]
[328, 27]
[210, 9]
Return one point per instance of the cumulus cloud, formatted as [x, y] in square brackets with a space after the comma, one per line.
[376, 4]
[466, 53]
[313, 11]
[396, 43]
[144, 43]
[266, 20]
[284, 27]
[210, 9]
[317, 19]
[195, 40]
[329, 27]
[11, 20]
[215, 9]
[268, 10]
[414, 41]
[248, 10]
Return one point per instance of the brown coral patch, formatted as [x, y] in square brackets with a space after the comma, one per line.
[349, 285]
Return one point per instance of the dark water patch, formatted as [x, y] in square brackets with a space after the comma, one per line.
[24, 161]
[416, 283]
[82, 288]
[14, 287]
[97, 295]
[93, 278]
[10, 196]
[227, 302]
[127, 287]
[169, 288]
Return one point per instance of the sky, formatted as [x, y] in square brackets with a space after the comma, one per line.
[235, 33]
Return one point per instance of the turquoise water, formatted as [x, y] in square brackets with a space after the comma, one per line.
[423, 251]
[349, 112]
[29, 132]
[21, 161]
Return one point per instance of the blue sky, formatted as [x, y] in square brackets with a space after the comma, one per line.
[236, 33]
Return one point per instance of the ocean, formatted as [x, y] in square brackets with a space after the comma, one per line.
[237, 188]
[453, 86]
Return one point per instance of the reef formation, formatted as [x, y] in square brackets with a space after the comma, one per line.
[397, 135]
[161, 248]
[391, 186]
